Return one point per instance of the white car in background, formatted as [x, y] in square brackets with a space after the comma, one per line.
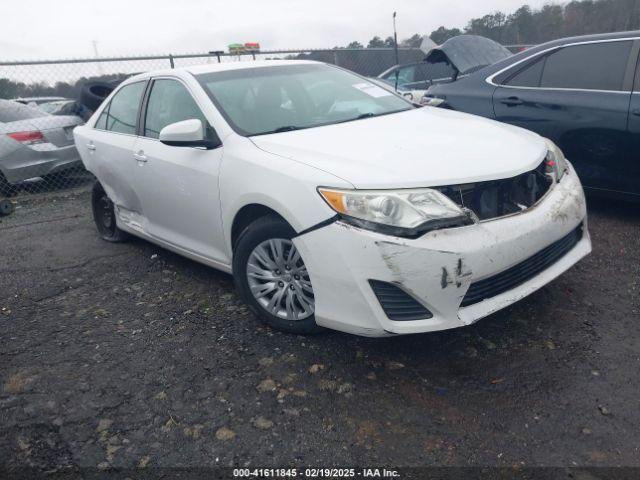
[347, 208]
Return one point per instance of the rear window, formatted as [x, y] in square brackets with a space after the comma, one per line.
[596, 66]
[14, 111]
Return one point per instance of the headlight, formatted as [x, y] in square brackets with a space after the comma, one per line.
[405, 213]
[555, 161]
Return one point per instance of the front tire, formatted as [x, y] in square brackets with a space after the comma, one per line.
[271, 276]
[104, 216]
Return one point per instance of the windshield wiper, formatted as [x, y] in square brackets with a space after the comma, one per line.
[286, 128]
[369, 115]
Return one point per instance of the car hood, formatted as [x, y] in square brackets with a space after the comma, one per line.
[467, 52]
[417, 148]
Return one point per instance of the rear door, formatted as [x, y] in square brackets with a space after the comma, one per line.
[178, 186]
[109, 149]
[578, 96]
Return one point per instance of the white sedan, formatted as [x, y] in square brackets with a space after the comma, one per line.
[333, 202]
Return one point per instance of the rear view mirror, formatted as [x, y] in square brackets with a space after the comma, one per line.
[187, 133]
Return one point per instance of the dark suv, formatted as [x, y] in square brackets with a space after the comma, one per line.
[582, 92]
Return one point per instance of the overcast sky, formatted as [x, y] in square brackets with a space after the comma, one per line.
[66, 28]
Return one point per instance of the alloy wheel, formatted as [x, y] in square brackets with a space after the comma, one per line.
[279, 281]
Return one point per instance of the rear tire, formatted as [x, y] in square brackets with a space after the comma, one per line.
[6, 207]
[283, 298]
[104, 216]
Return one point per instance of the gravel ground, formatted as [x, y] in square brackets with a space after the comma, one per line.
[127, 355]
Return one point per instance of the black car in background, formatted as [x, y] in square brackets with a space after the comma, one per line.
[582, 92]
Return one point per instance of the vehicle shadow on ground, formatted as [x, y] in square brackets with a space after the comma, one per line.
[480, 356]
[618, 209]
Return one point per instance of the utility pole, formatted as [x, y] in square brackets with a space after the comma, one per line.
[395, 38]
[95, 51]
[395, 47]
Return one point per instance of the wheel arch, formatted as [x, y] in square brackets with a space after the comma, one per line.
[246, 215]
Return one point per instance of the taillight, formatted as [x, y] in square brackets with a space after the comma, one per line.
[28, 138]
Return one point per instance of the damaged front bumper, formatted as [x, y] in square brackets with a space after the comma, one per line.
[438, 268]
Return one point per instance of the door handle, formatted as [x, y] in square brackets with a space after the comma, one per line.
[511, 101]
[91, 146]
[140, 156]
[636, 112]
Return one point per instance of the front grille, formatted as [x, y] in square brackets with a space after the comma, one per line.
[396, 303]
[520, 273]
[497, 198]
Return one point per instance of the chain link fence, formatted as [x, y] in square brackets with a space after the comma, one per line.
[42, 101]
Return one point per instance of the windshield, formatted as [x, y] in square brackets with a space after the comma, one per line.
[51, 107]
[274, 99]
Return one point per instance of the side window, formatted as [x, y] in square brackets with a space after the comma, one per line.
[406, 75]
[169, 102]
[593, 66]
[390, 78]
[123, 109]
[101, 124]
[527, 77]
[421, 76]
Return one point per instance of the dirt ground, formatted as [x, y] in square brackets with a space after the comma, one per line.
[126, 355]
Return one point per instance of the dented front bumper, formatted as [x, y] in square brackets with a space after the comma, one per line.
[437, 268]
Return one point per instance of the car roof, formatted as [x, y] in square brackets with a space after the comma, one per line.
[221, 67]
[590, 38]
[554, 43]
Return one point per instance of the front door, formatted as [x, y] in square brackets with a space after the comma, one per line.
[178, 186]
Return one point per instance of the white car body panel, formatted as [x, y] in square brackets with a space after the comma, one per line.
[434, 148]
[341, 258]
[178, 192]
[109, 157]
[186, 199]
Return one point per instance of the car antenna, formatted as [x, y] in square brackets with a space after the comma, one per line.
[395, 47]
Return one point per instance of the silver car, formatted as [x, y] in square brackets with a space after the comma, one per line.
[34, 144]
[35, 101]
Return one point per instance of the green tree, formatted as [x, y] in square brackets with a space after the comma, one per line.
[413, 41]
[491, 26]
[355, 45]
[521, 26]
[376, 42]
[442, 34]
[550, 23]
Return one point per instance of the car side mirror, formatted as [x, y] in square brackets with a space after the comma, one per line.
[187, 133]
